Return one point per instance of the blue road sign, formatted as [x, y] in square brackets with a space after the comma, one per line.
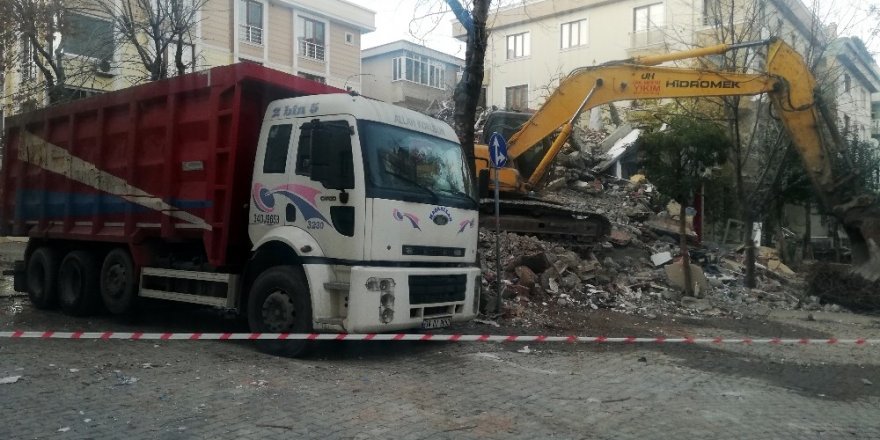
[497, 150]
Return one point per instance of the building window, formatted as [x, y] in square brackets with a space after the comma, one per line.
[518, 45]
[649, 17]
[28, 68]
[88, 36]
[311, 39]
[251, 15]
[349, 38]
[418, 69]
[574, 34]
[517, 97]
[187, 57]
[711, 10]
[73, 93]
[315, 78]
[648, 22]
[847, 82]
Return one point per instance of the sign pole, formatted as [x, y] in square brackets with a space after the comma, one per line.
[498, 247]
[498, 158]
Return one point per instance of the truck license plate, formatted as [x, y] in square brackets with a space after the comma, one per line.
[435, 323]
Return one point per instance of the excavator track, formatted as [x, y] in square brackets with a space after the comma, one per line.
[548, 221]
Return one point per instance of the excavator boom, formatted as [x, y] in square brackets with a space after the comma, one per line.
[787, 81]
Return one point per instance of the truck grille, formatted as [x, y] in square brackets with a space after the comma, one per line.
[428, 289]
[433, 251]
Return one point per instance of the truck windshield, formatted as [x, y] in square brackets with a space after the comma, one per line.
[412, 166]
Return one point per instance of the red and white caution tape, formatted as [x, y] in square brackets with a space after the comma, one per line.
[169, 336]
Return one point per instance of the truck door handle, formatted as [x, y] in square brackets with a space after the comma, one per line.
[290, 212]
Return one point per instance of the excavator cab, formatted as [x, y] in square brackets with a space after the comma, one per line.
[508, 123]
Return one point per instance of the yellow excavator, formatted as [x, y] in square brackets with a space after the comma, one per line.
[787, 81]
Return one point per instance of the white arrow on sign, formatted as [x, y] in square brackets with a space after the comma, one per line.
[497, 150]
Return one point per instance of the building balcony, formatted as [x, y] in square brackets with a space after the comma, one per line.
[310, 50]
[251, 34]
[875, 127]
[647, 38]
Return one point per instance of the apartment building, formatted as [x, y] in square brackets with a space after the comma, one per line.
[532, 45]
[320, 40]
[409, 75]
[858, 80]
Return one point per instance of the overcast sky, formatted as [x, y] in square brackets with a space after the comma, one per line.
[395, 21]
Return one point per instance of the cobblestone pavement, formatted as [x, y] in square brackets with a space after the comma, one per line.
[173, 390]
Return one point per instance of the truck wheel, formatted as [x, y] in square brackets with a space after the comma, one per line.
[118, 284]
[42, 269]
[279, 302]
[78, 284]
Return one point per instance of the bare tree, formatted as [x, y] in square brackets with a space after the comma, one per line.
[467, 92]
[161, 32]
[54, 45]
[759, 146]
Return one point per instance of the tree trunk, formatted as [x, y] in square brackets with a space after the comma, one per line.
[808, 231]
[835, 239]
[685, 258]
[467, 91]
[781, 245]
[751, 277]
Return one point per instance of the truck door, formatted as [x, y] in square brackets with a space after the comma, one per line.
[328, 179]
[269, 208]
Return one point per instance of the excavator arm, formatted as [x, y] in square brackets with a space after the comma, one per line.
[787, 81]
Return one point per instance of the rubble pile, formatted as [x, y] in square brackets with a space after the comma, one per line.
[539, 277]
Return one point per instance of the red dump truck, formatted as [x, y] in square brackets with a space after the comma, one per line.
[306, 208]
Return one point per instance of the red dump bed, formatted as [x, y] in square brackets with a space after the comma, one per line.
[170, 159]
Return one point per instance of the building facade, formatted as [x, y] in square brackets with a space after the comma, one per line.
[409, 75]
[532, 45]
[320, 40]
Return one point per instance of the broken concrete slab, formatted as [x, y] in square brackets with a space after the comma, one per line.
[675, 273]
[779, 267]
[538, 262]
[661, 258]
[555, 185]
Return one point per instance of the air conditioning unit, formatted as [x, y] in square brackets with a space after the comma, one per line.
[104, 68]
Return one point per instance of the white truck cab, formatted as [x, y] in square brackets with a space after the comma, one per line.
[375, 204]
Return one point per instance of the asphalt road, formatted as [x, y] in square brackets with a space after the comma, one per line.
[403, 390]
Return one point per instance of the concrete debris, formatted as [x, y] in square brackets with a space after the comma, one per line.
[661, 258]
[637, 270]
[9, 380]
[675, 273]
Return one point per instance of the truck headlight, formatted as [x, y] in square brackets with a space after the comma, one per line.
[386, 284]
[386, 300]
[380, 284]
[387, 315]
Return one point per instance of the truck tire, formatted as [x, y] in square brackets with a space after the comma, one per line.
[118, 282]
[78, 281]
[279, 302]
[42, 269]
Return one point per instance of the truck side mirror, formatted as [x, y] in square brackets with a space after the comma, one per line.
[332, 161]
